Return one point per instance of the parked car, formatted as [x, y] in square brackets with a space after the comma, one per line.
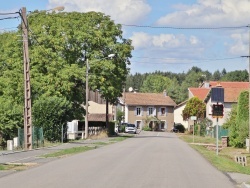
[178, 128]
[130, 128]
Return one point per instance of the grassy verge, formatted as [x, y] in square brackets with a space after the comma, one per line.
[76, 150]
[16, 167]
[224, 161]
[69, 151]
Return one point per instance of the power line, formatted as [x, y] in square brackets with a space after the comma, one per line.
[183, 59]
[187, 61]
[197, 28]
[7, 18]
[8, 13]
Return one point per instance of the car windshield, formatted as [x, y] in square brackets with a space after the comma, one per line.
[130, 125]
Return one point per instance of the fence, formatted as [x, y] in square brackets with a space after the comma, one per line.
[221, 132]
[37, 137]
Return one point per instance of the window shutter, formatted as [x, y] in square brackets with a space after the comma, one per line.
[135, 111]
[160, 114]
[148, 111]
[166, 111]
[154, 113]
[141, 111]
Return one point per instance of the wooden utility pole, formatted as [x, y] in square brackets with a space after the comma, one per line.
[27, 90]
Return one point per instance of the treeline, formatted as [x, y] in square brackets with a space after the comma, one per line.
[177, 84]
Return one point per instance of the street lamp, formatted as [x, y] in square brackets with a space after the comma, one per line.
[87, 95]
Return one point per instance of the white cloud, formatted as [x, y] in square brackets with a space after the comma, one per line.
[209, 13]
[240, 46]
[125, 11]
[141, 40]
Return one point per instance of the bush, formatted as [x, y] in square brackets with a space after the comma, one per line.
[51, 113]
[146, 128]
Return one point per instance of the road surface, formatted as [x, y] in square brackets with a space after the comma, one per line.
[149, 160]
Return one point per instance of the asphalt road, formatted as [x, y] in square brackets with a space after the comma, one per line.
[149, 160]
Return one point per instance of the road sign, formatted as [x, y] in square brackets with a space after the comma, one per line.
[193, 118]
[217, 110]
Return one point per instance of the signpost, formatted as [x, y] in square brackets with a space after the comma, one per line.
[217, 96]
[194, 118]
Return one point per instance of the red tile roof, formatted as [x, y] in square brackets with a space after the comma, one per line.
[229, 84]
[148, 99]
[232, 90]
[201, 93]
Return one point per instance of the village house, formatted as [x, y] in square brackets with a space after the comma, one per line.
[158, 107]
[232, 91]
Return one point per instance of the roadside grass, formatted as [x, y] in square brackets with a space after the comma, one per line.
[70, 151]
[224, 161]
[121, 138]
[75, 150]
[16, 167]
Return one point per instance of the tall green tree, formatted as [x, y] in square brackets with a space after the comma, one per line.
[236, 76]
[59, 44]
[237, 123]
[155, 83]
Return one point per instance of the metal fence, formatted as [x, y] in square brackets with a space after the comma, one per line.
[221, 132]
[37, 137]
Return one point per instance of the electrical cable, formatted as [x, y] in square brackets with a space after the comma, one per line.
[8, 18]
[191, 28]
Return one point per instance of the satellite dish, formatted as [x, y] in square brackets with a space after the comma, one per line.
[130, 89]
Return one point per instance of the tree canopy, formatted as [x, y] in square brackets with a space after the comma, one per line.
[194, 107]
[59, 45]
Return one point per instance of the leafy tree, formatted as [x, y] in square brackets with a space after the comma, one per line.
[10, 116]
[237, 76]
[193, 79]
[194, 107]
[120, 116]
[59, 46]
[217, 75]
[52, 113]
[223, 72]
[238, 121]
[155, 84]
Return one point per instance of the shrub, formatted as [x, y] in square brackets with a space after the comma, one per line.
[146, 128]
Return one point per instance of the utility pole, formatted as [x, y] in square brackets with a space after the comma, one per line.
[87, 101]
[27, 90]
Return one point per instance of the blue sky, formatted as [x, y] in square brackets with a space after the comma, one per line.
[164, 49]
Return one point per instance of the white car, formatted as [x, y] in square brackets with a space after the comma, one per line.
[130, 128]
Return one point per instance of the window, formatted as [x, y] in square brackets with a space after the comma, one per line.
[138, 111]
[150, 111]
[163, 111]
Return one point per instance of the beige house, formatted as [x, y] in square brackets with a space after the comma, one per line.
[178, 118]
[157, 108]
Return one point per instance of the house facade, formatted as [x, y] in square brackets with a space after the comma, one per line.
[178, 118]
[232, 91]
[153, 109]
